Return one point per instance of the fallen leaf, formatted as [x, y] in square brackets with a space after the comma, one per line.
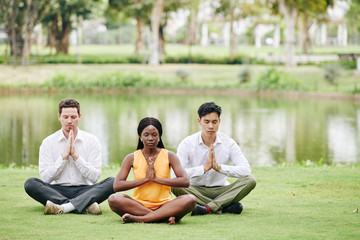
[356, 210]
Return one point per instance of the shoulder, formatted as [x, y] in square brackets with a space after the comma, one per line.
[130, 156]
[53, 137]
[88, 137]
[227, 141]
[171, 154]
[129, 159]
[225, 137]
[191, 140]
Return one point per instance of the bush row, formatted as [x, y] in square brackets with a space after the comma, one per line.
[109, 81]
[108, 59]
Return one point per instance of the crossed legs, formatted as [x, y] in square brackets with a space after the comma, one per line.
[132, 211]
[219, 197]
[80, 196]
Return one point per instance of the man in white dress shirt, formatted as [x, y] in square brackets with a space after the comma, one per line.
[206, 157]
[69, 166]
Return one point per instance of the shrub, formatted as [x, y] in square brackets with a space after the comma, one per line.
[183, 74]
[332, 72]
[116, 80]
[276, 80]
[244, 74]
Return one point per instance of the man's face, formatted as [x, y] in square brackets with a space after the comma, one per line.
[69, 119]
[209, 124]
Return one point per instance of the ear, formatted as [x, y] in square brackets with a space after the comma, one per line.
[59, 116]
[79, 115]
[199, 120]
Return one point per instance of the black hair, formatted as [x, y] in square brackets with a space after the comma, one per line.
[147, 122]
[209, 107]
[69, 103]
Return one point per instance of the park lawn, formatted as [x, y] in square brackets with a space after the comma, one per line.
[184, 50]
[288, 203]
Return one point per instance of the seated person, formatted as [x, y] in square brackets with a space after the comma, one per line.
[209, 157]
[151, 165]
[69, 165]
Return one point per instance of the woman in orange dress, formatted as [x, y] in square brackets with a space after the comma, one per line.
[151, 165]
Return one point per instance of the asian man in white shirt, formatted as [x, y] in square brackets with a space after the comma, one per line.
[209, 158]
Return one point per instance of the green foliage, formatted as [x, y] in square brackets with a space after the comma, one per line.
[107, 81]
[332, 72]
[348, 64]
[88, 59]
[276, 80]
[183, 74]
[200, 59]
[244, 74]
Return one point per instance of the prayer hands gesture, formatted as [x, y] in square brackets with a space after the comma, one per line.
[211, 161]
[150, 172]
[70, 148]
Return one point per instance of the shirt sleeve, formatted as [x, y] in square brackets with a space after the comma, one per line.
[183, 154]
[90, 168]
[49, 168]
[240, 165]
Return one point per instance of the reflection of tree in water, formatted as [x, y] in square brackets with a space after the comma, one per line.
[268, 131]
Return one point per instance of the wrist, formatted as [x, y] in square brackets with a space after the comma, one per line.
[218, 168]
[75, 156]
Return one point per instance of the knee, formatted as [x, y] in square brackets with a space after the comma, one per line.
[115, 200]
[29, 184]
[192, 200]
[189, 200]
[251, 182]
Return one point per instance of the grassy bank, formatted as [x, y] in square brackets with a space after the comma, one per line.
[171, 76]
[287, 203]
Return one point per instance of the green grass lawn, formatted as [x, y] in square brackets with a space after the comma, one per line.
[181, 49]
[201, 76]
[287, 203]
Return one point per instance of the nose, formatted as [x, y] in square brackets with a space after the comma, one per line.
[211, 125]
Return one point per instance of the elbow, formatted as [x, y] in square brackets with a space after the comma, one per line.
[118, 186]
[186, 182]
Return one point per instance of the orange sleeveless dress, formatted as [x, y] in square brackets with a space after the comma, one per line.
[152, 195]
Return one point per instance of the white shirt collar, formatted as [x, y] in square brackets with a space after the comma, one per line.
[217, 139]
[79, 135]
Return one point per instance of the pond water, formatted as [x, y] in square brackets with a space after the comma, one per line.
[270, 132]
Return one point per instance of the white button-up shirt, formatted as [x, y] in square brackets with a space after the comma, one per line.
[86, 170]
[192, 153]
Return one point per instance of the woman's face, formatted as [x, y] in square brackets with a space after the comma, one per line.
[150, 136]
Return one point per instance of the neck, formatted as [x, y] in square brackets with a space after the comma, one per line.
[150, 151]
[66, 134]
[208, 141]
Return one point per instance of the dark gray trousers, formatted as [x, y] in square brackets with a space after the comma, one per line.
[80, 196]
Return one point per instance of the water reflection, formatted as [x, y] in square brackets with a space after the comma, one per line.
[269, 132]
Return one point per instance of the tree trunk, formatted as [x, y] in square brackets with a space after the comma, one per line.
[192, 25]
[233, 40]
[162, 38]
[139, 29]
[290, 19]
[61, 35]
[155, 23]
[306, 41]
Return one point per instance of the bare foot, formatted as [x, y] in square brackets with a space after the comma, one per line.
[127, 218]
[171, 221]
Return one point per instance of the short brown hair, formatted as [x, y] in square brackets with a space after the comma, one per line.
[69, 103]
